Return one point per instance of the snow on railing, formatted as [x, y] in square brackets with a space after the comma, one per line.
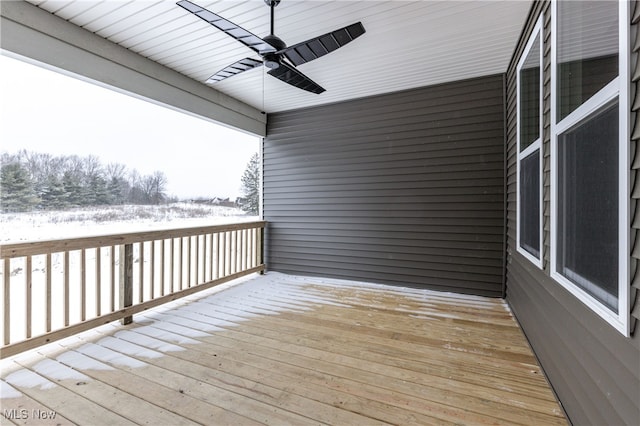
[54, 289]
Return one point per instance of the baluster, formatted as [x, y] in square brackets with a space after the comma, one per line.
[152, 269]
[180, 260]
[29, 294]
[232, 252]
[233, 255]
[217, 275]
[197, 259]
[162, 266]
[7, 297]
[254, 238]
[188, 262]
[83, 285]
[250, 248]
[171, 264]
[235, 245]
[245, 248]
[112, 278]
[241, 251]
[141, 272]
[204, 259]
[224, 254]
[98, 281]
[48, 295]
[210, 257]
[65, 271]
[237, 250]
[257, 247]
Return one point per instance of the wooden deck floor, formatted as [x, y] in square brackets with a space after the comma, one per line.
[281, 350]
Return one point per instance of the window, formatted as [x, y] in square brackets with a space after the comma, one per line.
[589, 152]
[529, 176]
[587, 51]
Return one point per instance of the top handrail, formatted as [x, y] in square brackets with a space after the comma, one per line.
[34, 248]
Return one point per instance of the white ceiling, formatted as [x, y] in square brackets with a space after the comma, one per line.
[407, 43]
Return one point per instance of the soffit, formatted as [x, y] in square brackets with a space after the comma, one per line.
[407, 44]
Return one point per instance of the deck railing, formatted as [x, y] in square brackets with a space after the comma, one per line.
[54, 289]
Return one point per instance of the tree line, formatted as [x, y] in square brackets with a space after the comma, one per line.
[30, 180]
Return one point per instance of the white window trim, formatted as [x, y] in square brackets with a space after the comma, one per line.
[618, 88]
[535, 146]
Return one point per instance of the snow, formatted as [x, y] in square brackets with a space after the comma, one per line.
[128, 348]
[28, 379]
[7, 391]
[56, 371]
[37, 226]
[174, 330]
[166, 335]
[82, 362]
[110, 356]
[148, 342]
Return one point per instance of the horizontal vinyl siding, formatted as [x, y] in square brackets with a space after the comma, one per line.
[635, 165]
[403, 189]
[594, 370]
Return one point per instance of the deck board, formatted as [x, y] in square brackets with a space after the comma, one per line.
[281, 349]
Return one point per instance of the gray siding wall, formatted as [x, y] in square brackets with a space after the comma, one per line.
[405, 188]
[594, 370]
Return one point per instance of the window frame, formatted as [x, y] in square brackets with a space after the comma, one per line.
[618, 89]
[534, 146]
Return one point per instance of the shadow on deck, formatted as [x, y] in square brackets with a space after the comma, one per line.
[281, 349]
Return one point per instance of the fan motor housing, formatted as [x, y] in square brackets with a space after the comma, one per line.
[275, 41]
[272, 60]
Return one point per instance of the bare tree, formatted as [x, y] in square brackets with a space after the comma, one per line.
[115, 171]
[92, 167]
[154, 187]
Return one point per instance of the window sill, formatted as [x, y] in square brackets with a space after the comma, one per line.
[619, 321]
[531, 258]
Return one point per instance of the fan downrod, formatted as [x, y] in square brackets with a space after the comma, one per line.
[272, 60]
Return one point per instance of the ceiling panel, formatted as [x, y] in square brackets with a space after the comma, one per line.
[407, 43]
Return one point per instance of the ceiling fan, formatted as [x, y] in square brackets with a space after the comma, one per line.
[281, 60]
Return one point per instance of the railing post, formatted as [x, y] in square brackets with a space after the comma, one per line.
[126, 280]
[261, 247]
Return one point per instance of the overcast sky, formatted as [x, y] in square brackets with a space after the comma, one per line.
[48, 112]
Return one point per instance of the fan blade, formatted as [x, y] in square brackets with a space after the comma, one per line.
[236, 68]
[250, 40]
[319, 46]
[292, 76]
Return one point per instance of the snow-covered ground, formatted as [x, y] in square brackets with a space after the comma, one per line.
[23, 227]
[34, 226]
